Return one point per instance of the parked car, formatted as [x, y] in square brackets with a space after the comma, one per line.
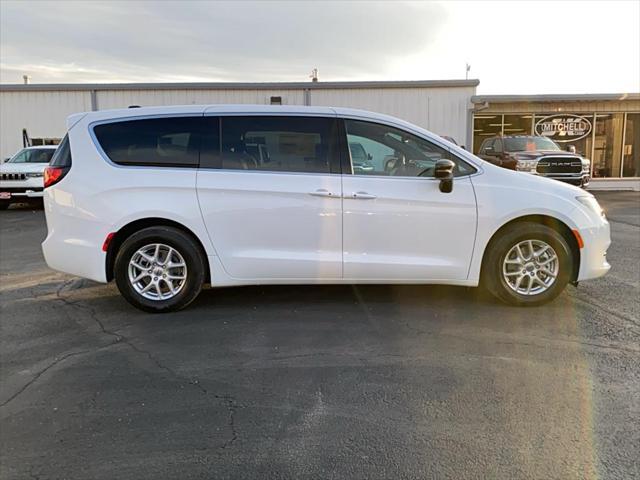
[21, 176]
[538, 155]
[165, 199]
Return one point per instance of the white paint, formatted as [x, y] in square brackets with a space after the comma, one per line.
[267, 228]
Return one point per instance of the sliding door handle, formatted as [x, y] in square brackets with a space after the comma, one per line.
[362, 196]
[323, 193]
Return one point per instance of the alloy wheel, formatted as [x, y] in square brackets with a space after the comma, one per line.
[157, 271]
[530, 267]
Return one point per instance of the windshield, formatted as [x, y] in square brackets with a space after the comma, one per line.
[33, 156]
[529, 144]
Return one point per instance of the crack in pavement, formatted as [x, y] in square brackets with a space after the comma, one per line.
[229, 401]
[601, 307]
[40, 373]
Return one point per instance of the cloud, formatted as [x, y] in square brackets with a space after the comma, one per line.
[214, 41]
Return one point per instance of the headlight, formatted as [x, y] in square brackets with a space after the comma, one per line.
[586, 164]
[592, 204]
[34, 174]
[527, 165]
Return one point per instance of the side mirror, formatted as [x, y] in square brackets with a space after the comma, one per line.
[489, 151]
[444, 172]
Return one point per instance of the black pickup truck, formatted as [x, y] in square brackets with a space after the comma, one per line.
[537, 155]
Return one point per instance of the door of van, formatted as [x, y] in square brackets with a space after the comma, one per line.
[270, 193]
[397, 223]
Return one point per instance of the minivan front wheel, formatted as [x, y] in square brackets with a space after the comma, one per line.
[159, 269]
[529, 264]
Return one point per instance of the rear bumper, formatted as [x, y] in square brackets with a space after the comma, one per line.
[74, 245]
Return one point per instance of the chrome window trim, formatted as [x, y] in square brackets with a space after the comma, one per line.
[267, 172]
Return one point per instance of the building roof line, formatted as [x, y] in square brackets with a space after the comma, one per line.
[240, 85]
[582, 97]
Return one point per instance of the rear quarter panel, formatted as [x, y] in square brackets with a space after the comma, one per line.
[98, 197]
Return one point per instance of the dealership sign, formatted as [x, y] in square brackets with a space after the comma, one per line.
[563, 127]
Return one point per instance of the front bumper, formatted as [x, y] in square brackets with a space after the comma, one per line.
[593, 257]
[22, 189]
[577, 180]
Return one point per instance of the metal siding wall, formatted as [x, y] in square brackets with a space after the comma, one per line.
[146, 98]
[43, 114]
[440, 110]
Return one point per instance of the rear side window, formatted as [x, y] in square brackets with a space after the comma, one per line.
[279, 144]
[164, 142]
[62, 155]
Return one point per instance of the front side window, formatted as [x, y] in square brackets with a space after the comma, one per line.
[377, 149]
[278, 144]
[168, 142]
[33, 156]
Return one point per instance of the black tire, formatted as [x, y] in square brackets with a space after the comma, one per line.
[493, 279]
[4, 204]
[178, 240]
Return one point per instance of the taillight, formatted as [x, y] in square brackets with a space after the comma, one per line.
[53, 175]
[60, 163]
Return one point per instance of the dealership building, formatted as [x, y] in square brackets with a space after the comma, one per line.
[602, 127]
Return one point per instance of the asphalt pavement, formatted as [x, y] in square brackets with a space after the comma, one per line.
[318, 381]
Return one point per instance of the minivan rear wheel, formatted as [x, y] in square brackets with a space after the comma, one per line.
[529, 264]
[159, 269]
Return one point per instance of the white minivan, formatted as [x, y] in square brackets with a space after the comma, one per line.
[166, 199]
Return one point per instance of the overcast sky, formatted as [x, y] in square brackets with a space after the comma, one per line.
[513, 47]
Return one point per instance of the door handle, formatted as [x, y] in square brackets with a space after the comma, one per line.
[322, 193]
[363, 196]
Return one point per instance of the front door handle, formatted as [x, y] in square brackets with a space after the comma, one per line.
[362, 196]
[322, 192]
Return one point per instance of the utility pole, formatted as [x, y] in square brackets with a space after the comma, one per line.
[466, 73]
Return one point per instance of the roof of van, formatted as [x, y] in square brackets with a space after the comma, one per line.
[241, 109]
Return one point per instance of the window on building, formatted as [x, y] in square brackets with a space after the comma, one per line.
[518, 124]
[168, 142]
[44, 141]
[378, 149]
[279, 144]
[581, 140]
[631, 149]
[485, 126]
[276, 100]
[607, 149]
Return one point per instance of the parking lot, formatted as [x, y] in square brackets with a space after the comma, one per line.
[318, 381]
